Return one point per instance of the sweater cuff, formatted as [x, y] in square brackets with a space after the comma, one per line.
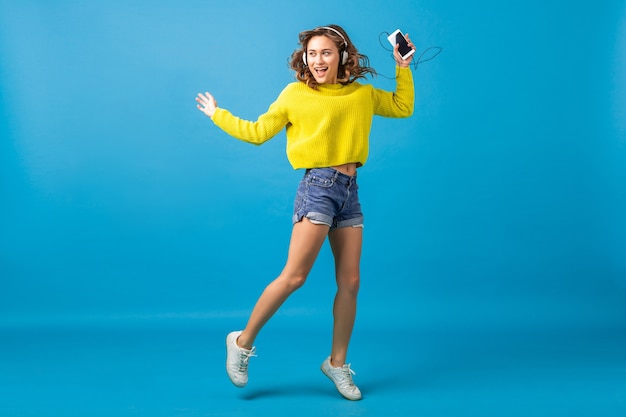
[216, 114]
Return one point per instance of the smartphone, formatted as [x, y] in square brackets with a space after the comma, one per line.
[397, 37]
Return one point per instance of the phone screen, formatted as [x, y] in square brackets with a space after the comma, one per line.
[404, 46]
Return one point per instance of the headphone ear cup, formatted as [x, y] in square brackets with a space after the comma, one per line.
[344, 57]
[304, 58]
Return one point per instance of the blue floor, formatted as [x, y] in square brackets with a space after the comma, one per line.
[177, 369]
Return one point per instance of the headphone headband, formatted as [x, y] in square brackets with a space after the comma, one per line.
[337, 32]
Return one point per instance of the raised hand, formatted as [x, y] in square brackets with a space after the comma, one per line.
[403, 62]
[206, 104]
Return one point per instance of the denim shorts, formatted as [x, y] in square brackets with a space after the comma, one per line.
[327, 196]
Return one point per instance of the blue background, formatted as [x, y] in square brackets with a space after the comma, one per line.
[133, 232]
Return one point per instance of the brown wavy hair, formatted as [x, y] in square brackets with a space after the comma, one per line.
[357, 65]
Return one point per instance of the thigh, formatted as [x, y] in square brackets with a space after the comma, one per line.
[346, 243]
[306, 241]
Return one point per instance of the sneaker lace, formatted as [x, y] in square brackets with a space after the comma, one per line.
[346, 376]
[244, 358]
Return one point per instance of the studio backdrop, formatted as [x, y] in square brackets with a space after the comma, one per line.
[500, 200]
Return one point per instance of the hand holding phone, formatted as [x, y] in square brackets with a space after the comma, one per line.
[397, 37]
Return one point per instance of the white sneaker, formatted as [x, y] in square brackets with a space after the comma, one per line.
[237, 360]
[342, 377]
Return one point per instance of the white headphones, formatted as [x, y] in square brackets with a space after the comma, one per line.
[344, 52]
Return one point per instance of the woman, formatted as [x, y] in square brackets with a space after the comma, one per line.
[328, 116]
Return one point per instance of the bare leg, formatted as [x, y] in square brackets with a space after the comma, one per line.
[346, 245]
[306, 241]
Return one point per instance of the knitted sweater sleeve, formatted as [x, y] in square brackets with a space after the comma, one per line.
[399, 103]
[256, 132]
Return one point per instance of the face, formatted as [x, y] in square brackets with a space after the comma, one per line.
[323, 59]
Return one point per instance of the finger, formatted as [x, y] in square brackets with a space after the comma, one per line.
[408, 40]
[205, 96]
[202, 105]
[396, 51]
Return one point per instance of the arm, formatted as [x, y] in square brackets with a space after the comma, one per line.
[401, 102]
[258, 132]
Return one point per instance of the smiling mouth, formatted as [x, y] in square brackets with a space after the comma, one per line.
[321, 70]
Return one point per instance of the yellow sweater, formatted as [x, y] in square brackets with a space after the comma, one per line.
[325, 127]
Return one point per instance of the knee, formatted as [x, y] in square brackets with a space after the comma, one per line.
[349, 284]
[294, 282]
